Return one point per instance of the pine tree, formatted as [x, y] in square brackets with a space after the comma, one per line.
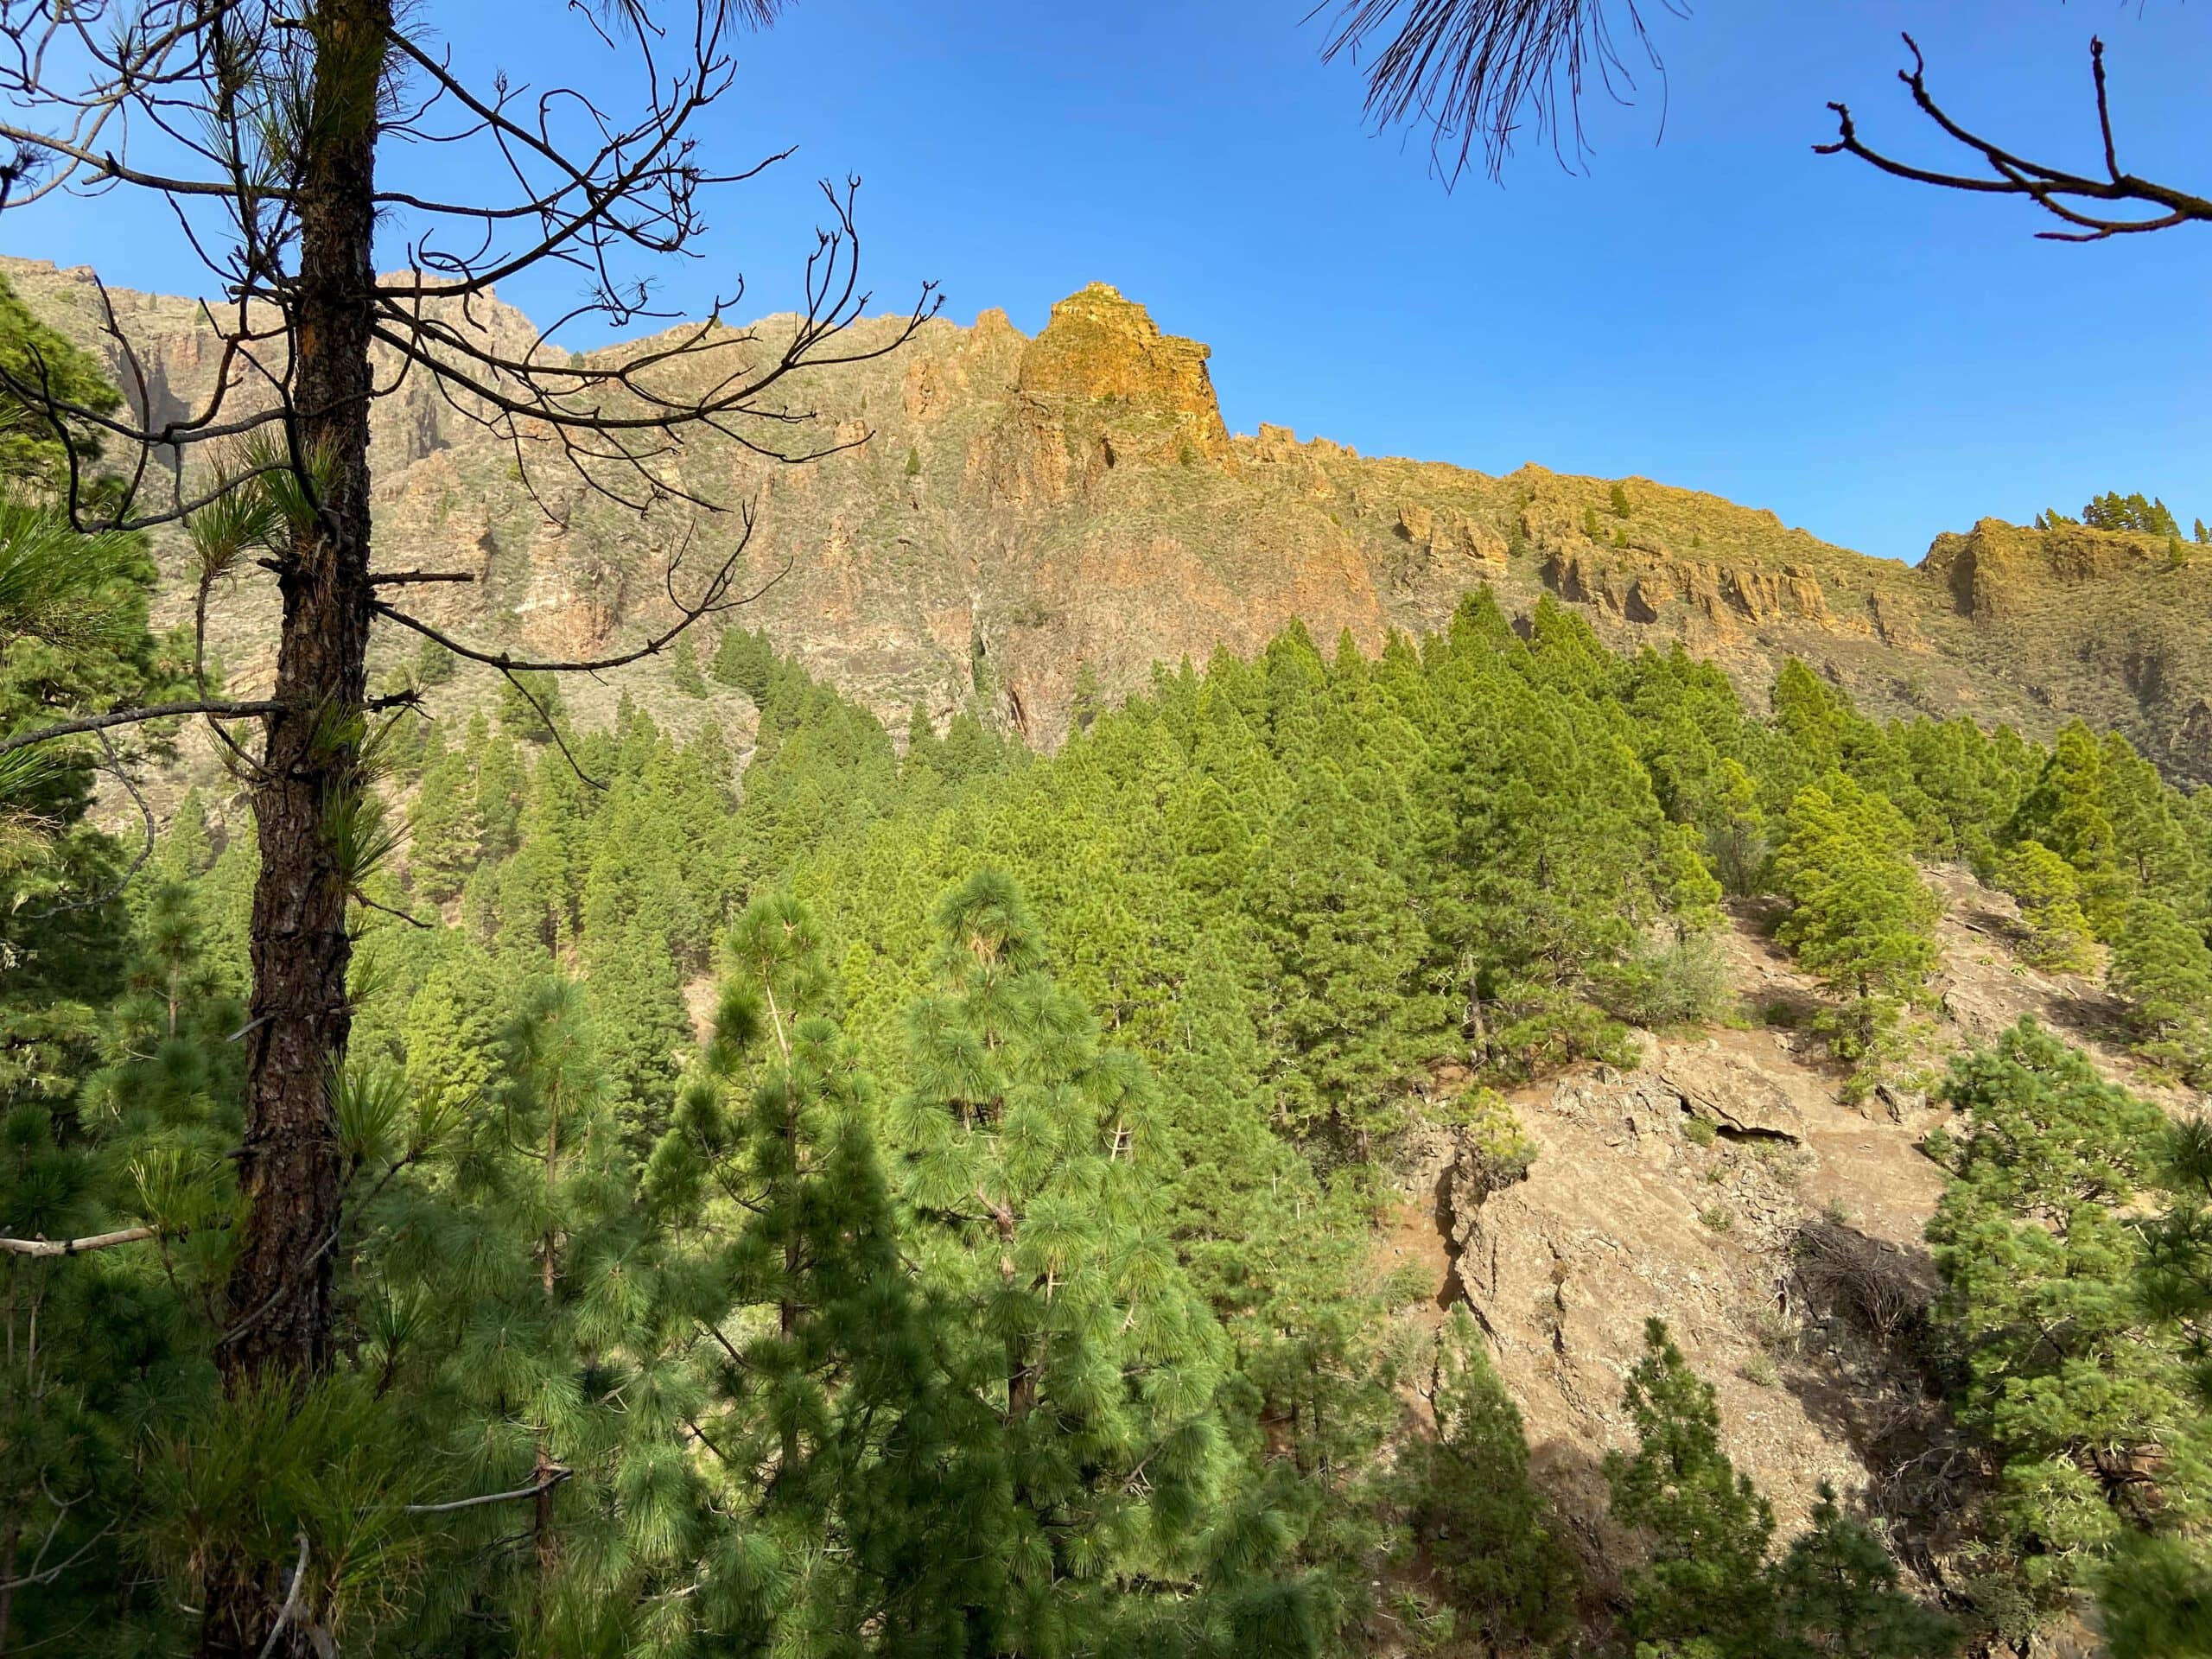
[101, 1354]
[1479, 1522]
[2162, 969]
[1619, 500]
[530, 705]
[641, 1029]
[834, 1439]
[500, 785]
[1349, 1025]
[1861, 918]
[2083, 1391]
[1836, 1593]
[1027, 1148]
[746, 661]
[2068, 812]
[1707, 1526]
[2050, 903]
[684, 668]
[516, 1319]
[434, 665]
[444, 837]
[451, 1036]
[1736, 835]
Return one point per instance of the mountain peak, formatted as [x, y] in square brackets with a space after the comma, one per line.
[1102, 348]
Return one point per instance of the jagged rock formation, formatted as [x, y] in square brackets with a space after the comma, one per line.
[1022, 507]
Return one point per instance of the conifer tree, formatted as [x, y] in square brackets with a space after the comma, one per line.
[2162, 969]
[2083, 1392]
[516, 1321]
[1473, 1511]
[744, 660]
[1708, 1527]
[683, 669]
[1736, 831]
[500, 785]
[1027, 1148]
[444, 837]
[1836, 1594]
[2050, 903]
[1348, 1022]
[1860, 917]
[641, 1029]
[833, 1441]
[2068, 812]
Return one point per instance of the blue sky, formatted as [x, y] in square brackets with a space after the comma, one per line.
[1717, 307]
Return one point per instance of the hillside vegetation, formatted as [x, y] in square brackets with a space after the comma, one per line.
[909, 1193]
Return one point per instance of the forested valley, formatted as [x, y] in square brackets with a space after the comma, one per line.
[909, 1194]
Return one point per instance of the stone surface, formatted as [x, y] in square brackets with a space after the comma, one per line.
[1731, 1092]
[1000, 510]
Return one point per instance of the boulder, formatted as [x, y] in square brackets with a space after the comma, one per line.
[1730, 1093]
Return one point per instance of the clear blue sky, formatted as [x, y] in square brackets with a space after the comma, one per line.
[1720, 309]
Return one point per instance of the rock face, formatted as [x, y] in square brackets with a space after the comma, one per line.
[1734, 1095]
[1723, 1183]
[1006, 510]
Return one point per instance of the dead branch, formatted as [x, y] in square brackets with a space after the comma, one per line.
[2082, 202]
[49, 1246]
[216, 707]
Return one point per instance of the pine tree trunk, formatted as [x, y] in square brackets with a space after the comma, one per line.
[280, 1330]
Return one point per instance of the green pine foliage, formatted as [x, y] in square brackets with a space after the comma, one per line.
[2163, 970]
[684, 668]
[1064, 1340]
[2050, 892]
[1860, 917]
[1707, 1588]
[1506, 1575]
[1074, 1338]
[2113, 510]
[1708, 1527]
[2072, 1325]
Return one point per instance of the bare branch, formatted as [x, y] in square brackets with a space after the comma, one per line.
[135, 716]
[46, 1246]
[554, 1477]
[2082, 202]
[290, 1609]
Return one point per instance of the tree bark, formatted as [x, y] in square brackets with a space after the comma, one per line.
[280, 1327]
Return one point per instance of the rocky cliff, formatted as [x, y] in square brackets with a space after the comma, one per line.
[1022, 507]
[1725, 1183]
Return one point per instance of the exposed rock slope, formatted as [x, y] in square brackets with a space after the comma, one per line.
[1724, 1184]
[1023, 506]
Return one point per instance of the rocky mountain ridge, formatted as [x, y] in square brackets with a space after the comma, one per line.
[1010, 509]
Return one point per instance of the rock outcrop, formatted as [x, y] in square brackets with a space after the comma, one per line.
[1724, 1183]
[1002, 510]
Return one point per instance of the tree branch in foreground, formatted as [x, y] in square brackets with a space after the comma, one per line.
[46, 1246]
[133, 717]
[2082, 202]
[554, 1477]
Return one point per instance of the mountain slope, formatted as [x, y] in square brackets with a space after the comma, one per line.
[1023, 506]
